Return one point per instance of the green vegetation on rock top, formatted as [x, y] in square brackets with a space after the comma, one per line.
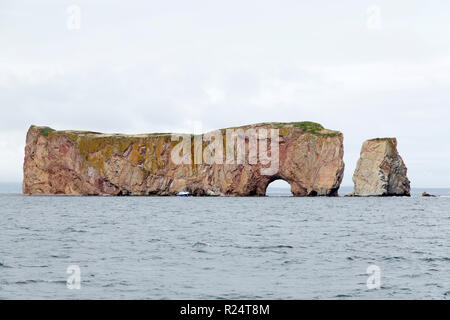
[46, 130]
[158, 134]
[306, 126]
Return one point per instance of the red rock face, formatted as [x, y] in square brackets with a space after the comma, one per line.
[86, 163]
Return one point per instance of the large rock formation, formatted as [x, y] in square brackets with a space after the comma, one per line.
[380, 170]
[90, 163]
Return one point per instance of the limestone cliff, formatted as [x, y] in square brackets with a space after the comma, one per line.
[90, 163]
[380, 170]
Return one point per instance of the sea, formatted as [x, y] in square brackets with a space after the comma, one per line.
[273, 247]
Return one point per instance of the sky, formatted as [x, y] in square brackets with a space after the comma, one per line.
[366, 68]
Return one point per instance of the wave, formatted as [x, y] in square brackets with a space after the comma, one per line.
[281, 246]
[395, 258]
[201, 244]
[71, 229]
[441, 259]
[35, 281]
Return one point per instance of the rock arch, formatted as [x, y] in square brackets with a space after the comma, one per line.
[278, 179]
[89, 163]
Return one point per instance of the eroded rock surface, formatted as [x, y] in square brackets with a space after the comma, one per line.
[89, 163]
[380, 170]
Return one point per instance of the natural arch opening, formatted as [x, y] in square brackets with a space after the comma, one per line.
[279, 188]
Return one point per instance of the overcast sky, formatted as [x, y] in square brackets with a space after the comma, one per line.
[369, 69]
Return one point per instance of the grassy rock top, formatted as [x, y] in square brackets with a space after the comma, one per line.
[306, 126]
[47, 131]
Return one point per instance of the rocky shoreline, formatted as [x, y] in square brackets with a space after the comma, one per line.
[309, 158]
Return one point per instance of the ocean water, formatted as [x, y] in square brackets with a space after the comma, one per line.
[275, 247]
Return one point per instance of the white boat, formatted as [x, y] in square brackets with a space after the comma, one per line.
[183, 194]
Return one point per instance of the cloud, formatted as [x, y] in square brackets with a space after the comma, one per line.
[179, 68]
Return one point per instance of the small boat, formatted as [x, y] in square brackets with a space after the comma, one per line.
[183, 194]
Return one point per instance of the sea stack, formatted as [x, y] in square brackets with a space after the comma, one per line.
[90, 163]
[380, 170]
